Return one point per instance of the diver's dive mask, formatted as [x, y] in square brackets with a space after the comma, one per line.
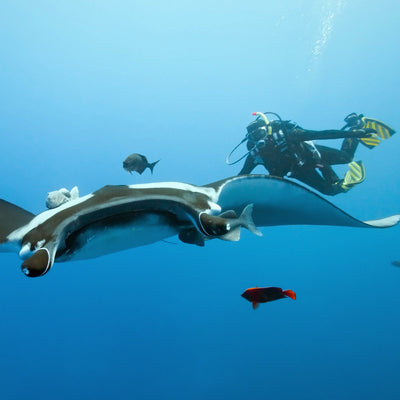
[257, 130]
[257, 133]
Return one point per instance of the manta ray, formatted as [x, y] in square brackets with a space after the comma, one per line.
[120, 217]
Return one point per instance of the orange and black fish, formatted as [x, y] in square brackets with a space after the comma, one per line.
[137, 162]
[264, 294]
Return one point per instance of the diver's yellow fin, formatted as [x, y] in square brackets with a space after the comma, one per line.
[383, 131]
[354, 176]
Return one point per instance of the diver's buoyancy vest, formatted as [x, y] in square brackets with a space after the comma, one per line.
[279, 147]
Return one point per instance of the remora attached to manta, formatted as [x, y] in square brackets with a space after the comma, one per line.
[116, 218]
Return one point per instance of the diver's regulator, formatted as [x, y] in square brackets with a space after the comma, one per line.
[260, 132]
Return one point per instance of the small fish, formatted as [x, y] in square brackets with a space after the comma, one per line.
[396, 263]
[137, 162]
[264, 294]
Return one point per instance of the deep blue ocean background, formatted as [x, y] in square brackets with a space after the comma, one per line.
[86, 83]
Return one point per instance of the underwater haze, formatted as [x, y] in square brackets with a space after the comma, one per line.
[86, 83]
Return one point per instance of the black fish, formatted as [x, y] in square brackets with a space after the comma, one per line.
[264, 294]
[137, 162]
[396, 263]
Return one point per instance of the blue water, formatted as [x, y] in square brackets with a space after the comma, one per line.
[83, 85]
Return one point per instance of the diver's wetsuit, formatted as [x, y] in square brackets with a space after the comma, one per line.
[285, 151]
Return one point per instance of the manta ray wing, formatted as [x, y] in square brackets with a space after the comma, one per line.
[12, 217]
[279, 201]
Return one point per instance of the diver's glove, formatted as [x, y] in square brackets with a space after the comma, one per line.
[363, 133]
[368, 131]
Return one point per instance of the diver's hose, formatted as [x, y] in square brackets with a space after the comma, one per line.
[264, 115]
[265, 119]
[239, 159]
[273, 113]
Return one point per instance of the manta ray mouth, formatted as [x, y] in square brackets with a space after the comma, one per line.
[38, 264]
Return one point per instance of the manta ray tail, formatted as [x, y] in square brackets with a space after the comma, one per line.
[12, 217]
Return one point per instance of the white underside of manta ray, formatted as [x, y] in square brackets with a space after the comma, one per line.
[116, 218]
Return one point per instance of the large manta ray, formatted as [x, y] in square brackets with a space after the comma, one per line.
[116, 218]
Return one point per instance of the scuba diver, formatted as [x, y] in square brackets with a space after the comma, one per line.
[286, 149]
